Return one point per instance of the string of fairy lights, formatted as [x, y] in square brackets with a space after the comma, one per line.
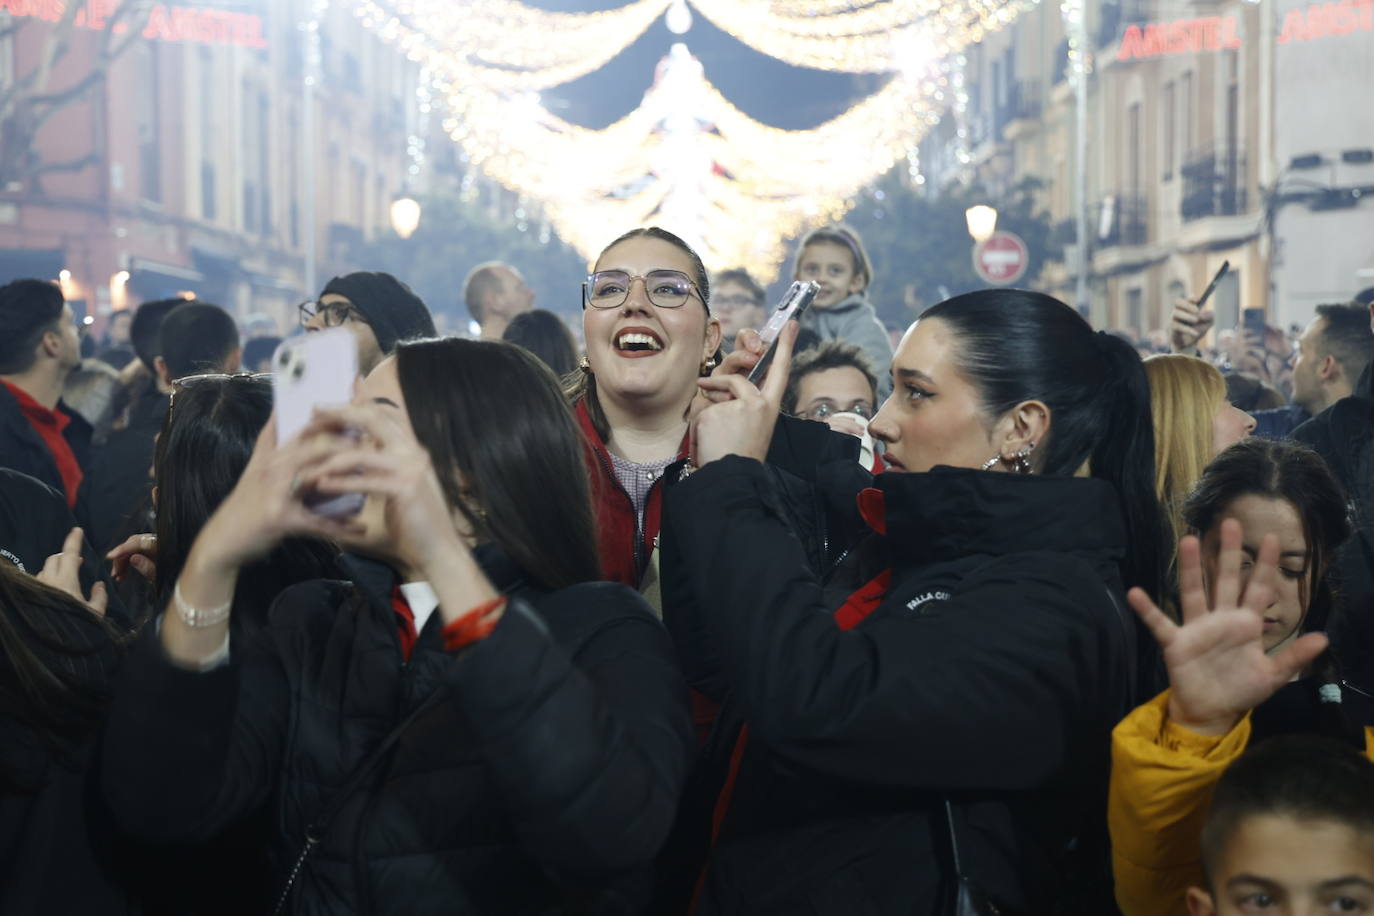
[686, 157]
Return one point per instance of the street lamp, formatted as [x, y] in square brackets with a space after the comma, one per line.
[405, 216]
[982, 222]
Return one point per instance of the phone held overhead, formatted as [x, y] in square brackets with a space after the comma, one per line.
[316, 370]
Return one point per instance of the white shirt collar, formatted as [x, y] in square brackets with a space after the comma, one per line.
[422, 601]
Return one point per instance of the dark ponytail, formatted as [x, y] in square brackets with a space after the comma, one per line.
[1125, 455]
[1015, 346]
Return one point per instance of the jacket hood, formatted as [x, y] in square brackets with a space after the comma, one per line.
[849, 303]
[949, 513]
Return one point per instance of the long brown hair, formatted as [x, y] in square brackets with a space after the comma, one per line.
[491, 415]
[57, 658]
[1291, 473]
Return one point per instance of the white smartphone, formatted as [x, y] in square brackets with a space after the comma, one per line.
[315, 370]
[799, 296]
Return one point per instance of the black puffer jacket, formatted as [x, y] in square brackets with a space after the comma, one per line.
[1343, 435]
[991, 670]
[543, 780]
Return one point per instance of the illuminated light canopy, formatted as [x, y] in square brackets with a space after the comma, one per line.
[687, 158]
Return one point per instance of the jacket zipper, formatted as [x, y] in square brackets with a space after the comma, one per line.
[639, 518]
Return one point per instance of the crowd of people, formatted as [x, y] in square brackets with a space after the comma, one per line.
[1001, 619]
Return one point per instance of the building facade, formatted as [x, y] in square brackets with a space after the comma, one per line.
[1216, 132]
[204, 162]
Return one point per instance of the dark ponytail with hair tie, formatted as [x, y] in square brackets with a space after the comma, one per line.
[1125, 455]
[1015, 346]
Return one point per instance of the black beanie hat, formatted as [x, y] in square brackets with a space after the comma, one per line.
[391, 309]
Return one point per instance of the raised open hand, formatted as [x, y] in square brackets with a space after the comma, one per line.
[1218, 668]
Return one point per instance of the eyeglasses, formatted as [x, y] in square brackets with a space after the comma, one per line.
[826, 411]
[667, 289]
[191, 381]
[333, 313]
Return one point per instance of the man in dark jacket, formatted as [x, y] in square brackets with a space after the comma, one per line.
[174, 338]
[1343, 434]
[40, 345]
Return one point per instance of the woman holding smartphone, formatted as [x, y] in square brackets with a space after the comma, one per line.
[470, 723]
[968, 690]
[647, 322]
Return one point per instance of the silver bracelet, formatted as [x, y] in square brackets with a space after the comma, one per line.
[198, 618]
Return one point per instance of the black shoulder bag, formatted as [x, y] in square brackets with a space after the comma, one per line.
[319, 827]
[967, 898]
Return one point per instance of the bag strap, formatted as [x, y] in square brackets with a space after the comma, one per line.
[954, 841]
[319, 827]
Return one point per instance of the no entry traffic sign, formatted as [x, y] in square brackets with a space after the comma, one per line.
[1002, 259]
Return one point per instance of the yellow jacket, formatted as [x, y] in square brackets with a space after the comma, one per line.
[1161, 787]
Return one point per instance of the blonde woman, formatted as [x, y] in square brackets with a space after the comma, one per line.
[1194, 422]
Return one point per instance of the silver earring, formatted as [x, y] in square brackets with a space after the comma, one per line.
[991, 462]
[584, 365]
[1023, 465]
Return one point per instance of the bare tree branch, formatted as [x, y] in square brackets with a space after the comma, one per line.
[28, 105]
[67, 165]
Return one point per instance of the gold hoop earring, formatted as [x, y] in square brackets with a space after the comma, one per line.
[584, 365]
[708, 364]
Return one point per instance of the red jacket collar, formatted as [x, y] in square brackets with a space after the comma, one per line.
[36, 411]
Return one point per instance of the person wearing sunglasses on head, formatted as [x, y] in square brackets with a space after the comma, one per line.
[178, 338]
[376, 308]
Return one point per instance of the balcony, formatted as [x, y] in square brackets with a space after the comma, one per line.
[1129, 222]
[1115, 15]
[1065, 232]
[1021, 104]
[1213, 184]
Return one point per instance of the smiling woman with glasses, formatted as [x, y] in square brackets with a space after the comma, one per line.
[650, 335]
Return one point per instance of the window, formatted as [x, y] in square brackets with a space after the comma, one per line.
[265, 219]
[1135, 309]
[208, 139]
[1186, 106]
[149, 124]
[1133, 149]
[1168, 133]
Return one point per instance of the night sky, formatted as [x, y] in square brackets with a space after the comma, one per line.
[766, 89]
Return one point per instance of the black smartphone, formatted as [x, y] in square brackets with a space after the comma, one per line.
[1211, 287]
[1252, 322]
